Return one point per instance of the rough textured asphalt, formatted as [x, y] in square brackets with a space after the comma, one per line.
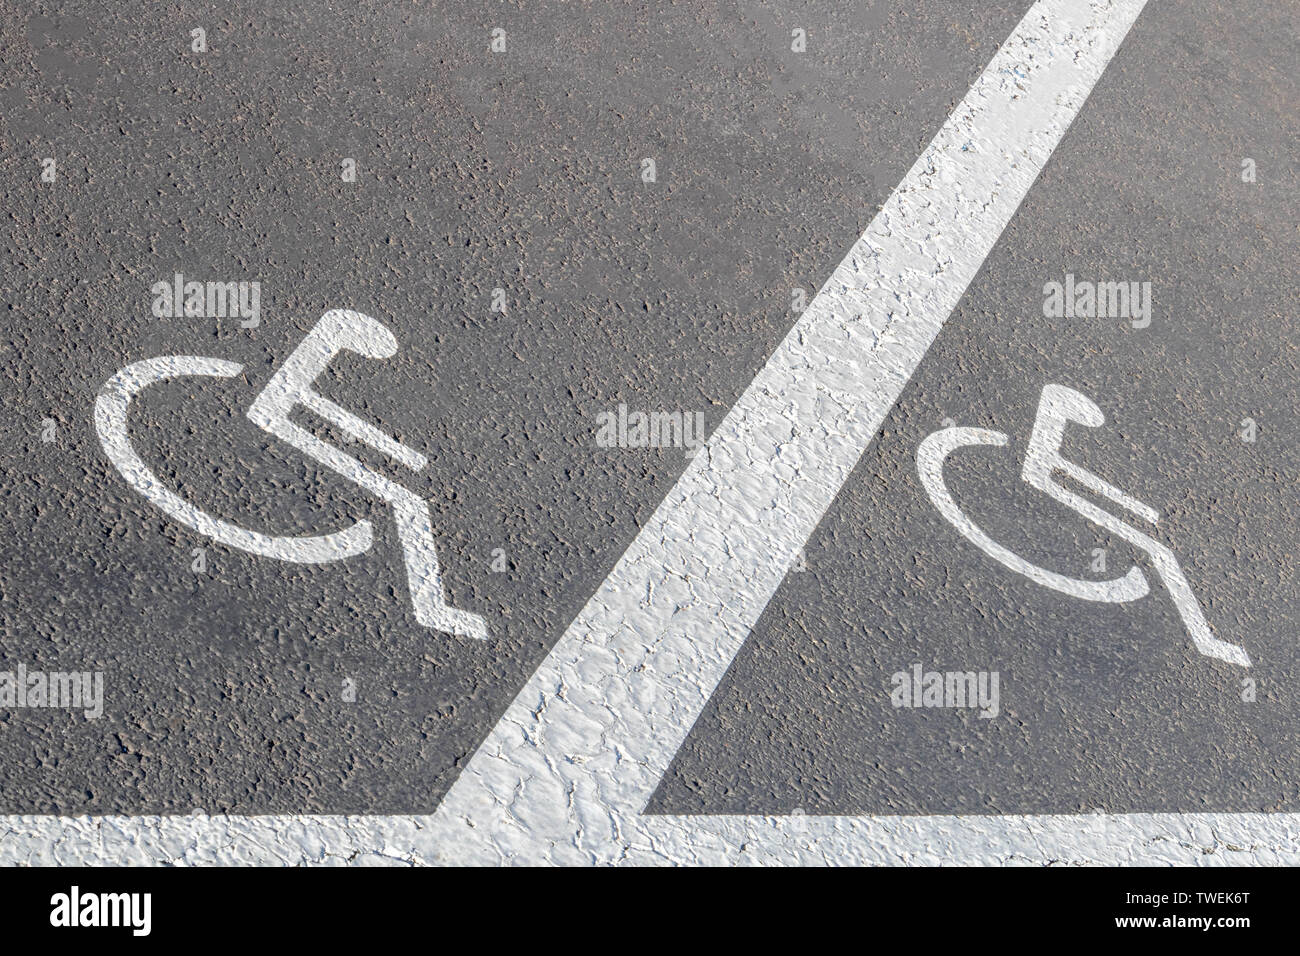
[522, 170]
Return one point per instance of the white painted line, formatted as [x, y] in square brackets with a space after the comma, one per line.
[1203, 839]
[566, 773]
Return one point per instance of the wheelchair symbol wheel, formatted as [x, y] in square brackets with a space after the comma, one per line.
[930, 458]
[111, 409]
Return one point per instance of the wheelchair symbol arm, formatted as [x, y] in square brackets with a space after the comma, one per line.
[1058, 407]
[930, 457]
[111, 413]
[338, 330]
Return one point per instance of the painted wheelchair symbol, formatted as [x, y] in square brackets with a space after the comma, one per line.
[291, 386]
[1057, 407]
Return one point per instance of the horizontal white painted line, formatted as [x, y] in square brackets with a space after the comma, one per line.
[1205, 839]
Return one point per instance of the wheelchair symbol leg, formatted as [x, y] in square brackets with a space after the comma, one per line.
[415, 530]
[1189, 609]
[1168, 570]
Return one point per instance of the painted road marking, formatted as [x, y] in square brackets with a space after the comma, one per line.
[580, 797]
[337, 331]
[1058, 406]
[930, 457]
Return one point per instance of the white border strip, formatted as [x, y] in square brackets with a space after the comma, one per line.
[564, 776]
[1206, 839]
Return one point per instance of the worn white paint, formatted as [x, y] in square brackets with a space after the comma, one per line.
[566, 774]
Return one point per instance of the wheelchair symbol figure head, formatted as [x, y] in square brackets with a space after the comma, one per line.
[290, 387]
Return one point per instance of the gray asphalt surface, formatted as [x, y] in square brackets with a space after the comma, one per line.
[522, 170]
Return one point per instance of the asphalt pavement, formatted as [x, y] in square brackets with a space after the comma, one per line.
[611, 219]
